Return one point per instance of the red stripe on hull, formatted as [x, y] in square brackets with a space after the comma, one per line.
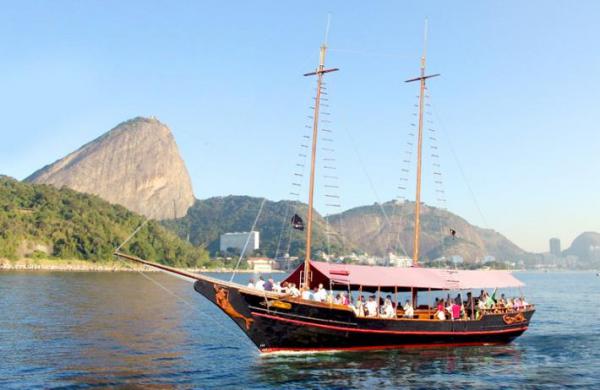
[378, 347]
[397, 332]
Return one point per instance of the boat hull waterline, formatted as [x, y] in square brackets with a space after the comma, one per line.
[276, 323]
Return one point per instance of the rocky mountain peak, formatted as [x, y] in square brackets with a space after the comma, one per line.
[136, 164]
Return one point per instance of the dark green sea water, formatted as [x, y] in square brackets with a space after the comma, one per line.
[61, 329]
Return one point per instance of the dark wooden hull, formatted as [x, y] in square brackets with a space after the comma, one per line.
[276, 323]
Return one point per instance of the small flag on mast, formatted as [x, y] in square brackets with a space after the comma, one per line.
[297, 222]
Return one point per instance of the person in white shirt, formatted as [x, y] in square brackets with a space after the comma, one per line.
[251, 283]
[306, 294]
[294, 292]
[388, 309]
[260, 283]
[371, 307]
[409, 312]
[321, 294]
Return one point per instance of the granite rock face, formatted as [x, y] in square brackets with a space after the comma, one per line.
[136, 164]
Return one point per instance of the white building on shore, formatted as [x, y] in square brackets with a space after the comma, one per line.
[237, 241]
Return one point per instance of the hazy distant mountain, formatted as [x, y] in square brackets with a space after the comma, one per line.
[369, 229]
[586, 247]
[136, 164]
[207, 219]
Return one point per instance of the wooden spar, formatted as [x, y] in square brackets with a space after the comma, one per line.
[319, 73]
[421, 78]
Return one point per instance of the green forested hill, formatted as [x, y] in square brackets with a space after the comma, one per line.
[68, 224]
[207, 219]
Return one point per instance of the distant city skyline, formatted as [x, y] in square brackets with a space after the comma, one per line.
[514, 108]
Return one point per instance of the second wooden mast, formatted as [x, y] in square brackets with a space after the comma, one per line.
[422, 78]
[313, 158]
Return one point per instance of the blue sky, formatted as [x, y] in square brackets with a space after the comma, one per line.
[516, 105]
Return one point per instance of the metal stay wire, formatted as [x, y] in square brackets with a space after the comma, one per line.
[360, 160]
[248, 239]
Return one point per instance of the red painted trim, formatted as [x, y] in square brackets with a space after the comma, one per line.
[377, 347]
[401, 332]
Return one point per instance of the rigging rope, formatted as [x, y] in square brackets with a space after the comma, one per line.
[360, 160]
[163, 287]
[248, 239]
[460, 168]
[132, 234]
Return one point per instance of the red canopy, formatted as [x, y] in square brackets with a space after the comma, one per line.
[388, 278]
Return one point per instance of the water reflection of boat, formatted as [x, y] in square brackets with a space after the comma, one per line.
[280, 322]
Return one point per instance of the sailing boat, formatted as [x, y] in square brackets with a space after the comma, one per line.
[282, 322]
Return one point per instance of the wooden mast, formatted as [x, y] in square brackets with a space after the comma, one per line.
[319, 73]
[421, 79]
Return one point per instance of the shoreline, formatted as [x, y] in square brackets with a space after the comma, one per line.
[74, 265]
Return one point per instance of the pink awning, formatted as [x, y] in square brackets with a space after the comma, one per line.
[372, 277]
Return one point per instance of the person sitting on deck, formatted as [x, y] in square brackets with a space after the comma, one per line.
[321, 293]
[388, 309]
[524, 303]
[409, 312]
[441, 310]
[315, 295]
[260, 283]
[285, 287]
[345, 300]
[306, 294]
[359, 308]
[509, 304]
[338, 299]
[268, 285]
[293, 290]
[251, 283]
[371, 307]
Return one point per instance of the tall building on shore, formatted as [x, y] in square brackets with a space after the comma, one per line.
[555, 247]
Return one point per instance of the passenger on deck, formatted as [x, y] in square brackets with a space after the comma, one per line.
[441, 310]
[469, 304]
[260, 283]
[489, 302]
[321, 293]
[371, 307]
[285, 287]
[329, 298]
[345, 300]
[268, 285]
[338, 299]
[294, 292]
[509, 303]
[409, 312]
[276, 286]
[306, 294]
[393, 303]
[251, 283]
[315, 294]
[388, 309]
[455, 311]
[358, 308]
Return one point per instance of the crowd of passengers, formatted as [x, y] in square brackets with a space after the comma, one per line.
[448, 309]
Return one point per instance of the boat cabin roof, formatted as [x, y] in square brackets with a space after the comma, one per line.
[371, 278]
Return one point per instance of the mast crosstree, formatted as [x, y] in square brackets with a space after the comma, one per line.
[319, 72]
[422, 78]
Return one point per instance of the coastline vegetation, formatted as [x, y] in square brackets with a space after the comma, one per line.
[40, 221]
